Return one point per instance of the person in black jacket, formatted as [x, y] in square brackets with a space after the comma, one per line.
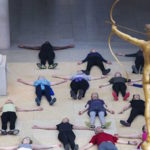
[95, 59]
[137, 108]
[139, 61]
[46, 53]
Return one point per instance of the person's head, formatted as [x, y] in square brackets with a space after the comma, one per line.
[136, 97]
[9, 101]
[65, 120]
[117, 74]
[147, 28]
[46, 46]
[98, 130]
[94, 95]
[26, 140]
[41, 78]
[93, 51]
[144, 129]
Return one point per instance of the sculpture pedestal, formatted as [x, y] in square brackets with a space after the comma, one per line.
[3, 76]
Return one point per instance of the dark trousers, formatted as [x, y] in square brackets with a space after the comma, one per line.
[79, 85]
[120, 87]
[134, 113]
[95, 62]
[46, 56]
[8, 117]
[139, 63]
[67, 138]
[47, 92]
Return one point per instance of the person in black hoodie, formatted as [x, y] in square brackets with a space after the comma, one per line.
[95, 59]
[139, 61]
[46, 53]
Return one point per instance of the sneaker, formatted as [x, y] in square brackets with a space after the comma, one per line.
[76, 147]
[114, 94]
[3, 132]
[106, 71]
[52, 101]
[89, 125]
[13, 132]
[40, 66]
[37, 101]
[126, 96]
[134, 69]
[67, 147]
[106, 126]
[85, 72]
[52, 66]
[73, 95]
[80, 96]
[125, 123]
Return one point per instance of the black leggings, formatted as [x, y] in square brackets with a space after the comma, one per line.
[8, 117]
[46, 92]
[95, 62]
[67, 138]
[134, 113]
[79, 85]
[120, 87]
[47, 56]
[139, 63]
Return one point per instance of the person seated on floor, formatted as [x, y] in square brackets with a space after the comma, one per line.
[9, 110]
[79, 84]
[95, 59]
[46, 53]
[43, 88]
[105, 141]
[27, 144]
[137, 108]
[142, 136]
[66, 134]
[118, 85]
[96, 107]
[139, 61]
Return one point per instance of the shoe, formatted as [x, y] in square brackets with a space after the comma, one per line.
[52, 101]
[126, 96]
[37, 101]
[3, 132]
[13, 132]
[134, 69]
[73, 95]
[89, 125]
[106, 126]
[52, 66]
[67, 147]
[114, 94]
[92, 126]
[85, 72]
[105, 72]
[76, 147]
[124, 123]
[40, 66]
[80, 96]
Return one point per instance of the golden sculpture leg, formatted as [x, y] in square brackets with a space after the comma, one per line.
[146, 146]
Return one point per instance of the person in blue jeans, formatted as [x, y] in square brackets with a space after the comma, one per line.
[97, 107]
[43, 88]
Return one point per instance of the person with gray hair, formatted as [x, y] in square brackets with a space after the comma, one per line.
[105, 141]
[43, 88]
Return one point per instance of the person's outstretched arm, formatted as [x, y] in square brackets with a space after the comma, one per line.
[98, 78]
[128, 38]
[29, 47]
[64, 78]
[104, 85]
[28, 110]
[44, 128]
[107, 109]
[57, 83]
[84, 110]
[24, 82]
[87, 146]
[39, 147]
[125, 108]
[63, 47]
[9, 148]
[127, 142]
[126, 55]
[81, 128]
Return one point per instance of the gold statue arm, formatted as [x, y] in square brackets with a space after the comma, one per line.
[127, 37]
